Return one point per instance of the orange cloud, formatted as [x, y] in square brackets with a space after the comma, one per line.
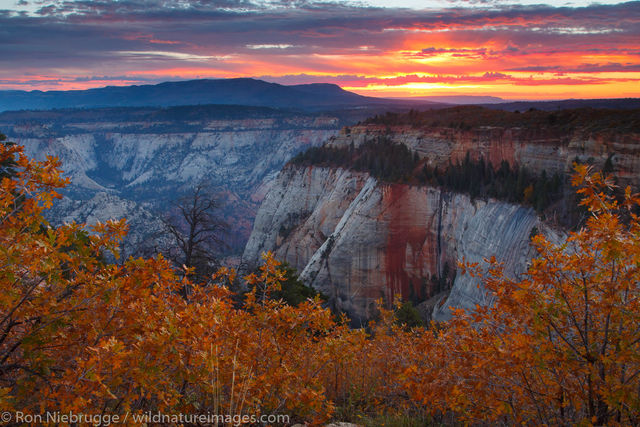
[537, 52]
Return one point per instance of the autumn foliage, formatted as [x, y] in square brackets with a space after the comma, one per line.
[561, 346]
[78, 333]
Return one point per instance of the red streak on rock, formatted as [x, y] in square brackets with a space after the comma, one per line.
[408, 261]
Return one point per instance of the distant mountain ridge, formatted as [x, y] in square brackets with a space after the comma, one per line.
[251, 92]
[240, 91]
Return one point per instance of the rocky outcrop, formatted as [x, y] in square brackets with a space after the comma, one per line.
[299, 213]
[537, 149]
[357, 240]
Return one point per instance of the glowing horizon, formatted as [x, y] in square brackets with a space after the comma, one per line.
[556, 50]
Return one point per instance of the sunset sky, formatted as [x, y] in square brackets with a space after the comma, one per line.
[524, 50]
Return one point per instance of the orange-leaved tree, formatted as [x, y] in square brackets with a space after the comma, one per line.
[561, 346]
[58, 297]
[80, 334]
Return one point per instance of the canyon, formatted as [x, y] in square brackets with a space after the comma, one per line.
[358, 239]
[133, 163]
[350, 234]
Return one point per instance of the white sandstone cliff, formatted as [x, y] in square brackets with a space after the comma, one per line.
[357, 240]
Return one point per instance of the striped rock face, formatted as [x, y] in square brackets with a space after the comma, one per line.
[357, 240]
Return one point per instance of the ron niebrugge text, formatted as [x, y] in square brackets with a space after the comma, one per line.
[100, 420]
